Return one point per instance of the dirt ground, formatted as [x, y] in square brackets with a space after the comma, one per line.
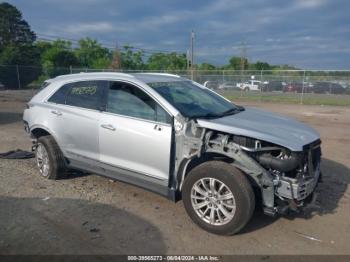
[88, 214]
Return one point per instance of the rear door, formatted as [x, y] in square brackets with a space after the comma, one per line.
[75, 118]
[135, 132]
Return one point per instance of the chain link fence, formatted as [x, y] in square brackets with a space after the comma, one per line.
[294, 86]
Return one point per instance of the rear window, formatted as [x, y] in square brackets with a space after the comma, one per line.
[60, 96]
[45, 84]
[84, 94]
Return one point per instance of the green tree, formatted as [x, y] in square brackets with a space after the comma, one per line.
[261, 66]
[57, 57]
[91, 54]
[171, 61]
[235, 63]
[14, 30]
[132, 60]
[42, 46]
[16, 48]
[206, 66]
[19, 61]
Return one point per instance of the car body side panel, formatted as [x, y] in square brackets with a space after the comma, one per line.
[136, 145]
[36, 117]
[77, 131]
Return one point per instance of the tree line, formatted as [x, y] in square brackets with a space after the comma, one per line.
[42, 59]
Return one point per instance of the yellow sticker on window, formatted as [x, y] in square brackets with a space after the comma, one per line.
[84, 90]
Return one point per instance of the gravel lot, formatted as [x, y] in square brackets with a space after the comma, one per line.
[88, 214]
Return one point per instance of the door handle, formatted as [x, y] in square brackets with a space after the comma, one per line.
[109, 127]
[158, 127]
[56, 112]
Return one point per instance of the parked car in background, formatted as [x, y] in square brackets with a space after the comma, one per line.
[294, 87]
[177, 138]
[298, 87]
[251, 85]
[328, 88]
[211, 84]
[273, 86]
[227, 85]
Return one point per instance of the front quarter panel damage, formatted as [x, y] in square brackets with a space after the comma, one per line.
[193, 142]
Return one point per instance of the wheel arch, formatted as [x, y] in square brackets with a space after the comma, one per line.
[189, 164]
[38, 131]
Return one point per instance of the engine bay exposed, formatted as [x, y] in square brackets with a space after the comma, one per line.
[283, 176]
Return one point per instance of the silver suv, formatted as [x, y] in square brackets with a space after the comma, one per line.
[177, 138]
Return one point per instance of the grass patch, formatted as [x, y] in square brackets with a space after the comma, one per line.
[291, 98]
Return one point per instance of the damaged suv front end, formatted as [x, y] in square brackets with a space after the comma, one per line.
[287, 152]
[286, 179]
[280, 155]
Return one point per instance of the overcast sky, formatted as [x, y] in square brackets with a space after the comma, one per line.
[312, 34]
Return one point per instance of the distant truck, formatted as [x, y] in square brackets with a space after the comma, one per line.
[251, 85]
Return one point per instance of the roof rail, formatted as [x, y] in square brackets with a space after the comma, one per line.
[93, 73]
[162, 74]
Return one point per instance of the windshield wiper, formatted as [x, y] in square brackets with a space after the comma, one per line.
[231, 111]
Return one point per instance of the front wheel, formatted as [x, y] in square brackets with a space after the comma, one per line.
[218, 197]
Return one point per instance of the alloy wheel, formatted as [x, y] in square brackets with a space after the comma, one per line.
[213, 201]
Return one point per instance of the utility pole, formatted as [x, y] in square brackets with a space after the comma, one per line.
[192, 54]
[188, 63]
[116, 62]
[243, 57]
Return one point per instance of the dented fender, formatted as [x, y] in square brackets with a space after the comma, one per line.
[193, 141]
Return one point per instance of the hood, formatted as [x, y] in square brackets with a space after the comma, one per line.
[266, 126]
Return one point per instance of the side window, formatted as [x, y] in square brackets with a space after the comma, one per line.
[60, 96]
[87, 94]
[129, 100]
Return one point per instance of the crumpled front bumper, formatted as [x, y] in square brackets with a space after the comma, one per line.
[298, 189]
[297, 193]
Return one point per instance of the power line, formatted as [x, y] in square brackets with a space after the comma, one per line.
[109, 46]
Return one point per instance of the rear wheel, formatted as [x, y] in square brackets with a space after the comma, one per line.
[49, 158]
[218, 197]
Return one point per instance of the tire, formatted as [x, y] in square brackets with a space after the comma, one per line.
[235, 182]
[48, 151]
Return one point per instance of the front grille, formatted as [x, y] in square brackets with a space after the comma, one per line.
[301, 186]
[312, 159]
[316, 156]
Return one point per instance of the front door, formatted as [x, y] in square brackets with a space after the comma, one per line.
[135, 132]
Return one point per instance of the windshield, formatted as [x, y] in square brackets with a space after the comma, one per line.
[193, 101]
